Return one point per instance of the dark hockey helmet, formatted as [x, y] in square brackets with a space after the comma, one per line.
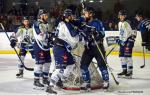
[41, 12]
[122, 12]
[90, 10]
[25, 18]
[67, 12]
[139, 13]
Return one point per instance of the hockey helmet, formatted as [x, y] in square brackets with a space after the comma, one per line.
[139, 13]
[25, 18]
[90, 10]
[41, 12]
[122, 12]
[67, 12]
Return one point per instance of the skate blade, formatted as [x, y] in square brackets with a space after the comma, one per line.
[38, 88]
[123, 76]
[45, 85]
[128, 77]
[51, 92]
[19, 76]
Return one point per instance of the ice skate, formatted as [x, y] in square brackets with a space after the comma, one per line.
[129, 75]
[50, 90]
[85, 87]
[19, 74]
[105, 85]
[122, 74]
[38, 85]
[45, 81]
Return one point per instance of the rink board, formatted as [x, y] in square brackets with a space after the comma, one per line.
[6, 49]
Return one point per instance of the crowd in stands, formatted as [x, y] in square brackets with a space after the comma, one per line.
[13, 17]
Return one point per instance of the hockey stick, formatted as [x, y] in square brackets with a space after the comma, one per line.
[110, 51]
[143, 58]
[106, 56]
[29, 69]
[105, 61]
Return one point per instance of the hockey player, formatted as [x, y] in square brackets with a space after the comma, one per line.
[41, 32]
[91, 51]
[67, 39]
[144, 27]
[25, 33]
[126, 42]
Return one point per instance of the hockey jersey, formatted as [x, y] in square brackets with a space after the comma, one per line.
[144, 25]
[125, 30]
[67, 33]
[41, 34]
[25, 37]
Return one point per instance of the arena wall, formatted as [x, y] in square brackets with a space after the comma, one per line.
[5, 44]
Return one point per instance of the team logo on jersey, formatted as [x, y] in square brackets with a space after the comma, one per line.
[127, 49]
[148, 27]
[65, 57]
[41, 54]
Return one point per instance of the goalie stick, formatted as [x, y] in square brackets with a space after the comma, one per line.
[29, 69]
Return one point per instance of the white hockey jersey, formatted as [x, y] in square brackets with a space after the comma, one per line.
[65, 35]
[41, 34]
[23, 33]
[125, 30]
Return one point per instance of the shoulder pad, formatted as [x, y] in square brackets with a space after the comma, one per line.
[96, 20]
[20, 27]
[61, 23]
[126, 24]
[37, 23]
[128, 21]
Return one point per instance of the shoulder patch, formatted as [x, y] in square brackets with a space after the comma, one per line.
[20, 27]
[126, 24]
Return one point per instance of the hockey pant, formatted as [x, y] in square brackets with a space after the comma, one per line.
[64, 63]
[86, 59]
[42, 64]
[125, 55]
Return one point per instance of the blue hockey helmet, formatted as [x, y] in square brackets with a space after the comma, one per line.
[90, 10]
[67, 12]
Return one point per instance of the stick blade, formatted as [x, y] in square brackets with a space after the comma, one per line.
[142, 66]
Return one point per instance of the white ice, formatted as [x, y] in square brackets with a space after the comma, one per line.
[10, 85]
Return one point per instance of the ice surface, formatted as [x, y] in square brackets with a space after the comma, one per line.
[10, 85]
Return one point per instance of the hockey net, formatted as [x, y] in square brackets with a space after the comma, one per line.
[74, 80]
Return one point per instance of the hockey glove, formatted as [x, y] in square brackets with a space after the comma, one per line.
[144, 44]
[27, 39]
[119, 42]
[13, 43]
